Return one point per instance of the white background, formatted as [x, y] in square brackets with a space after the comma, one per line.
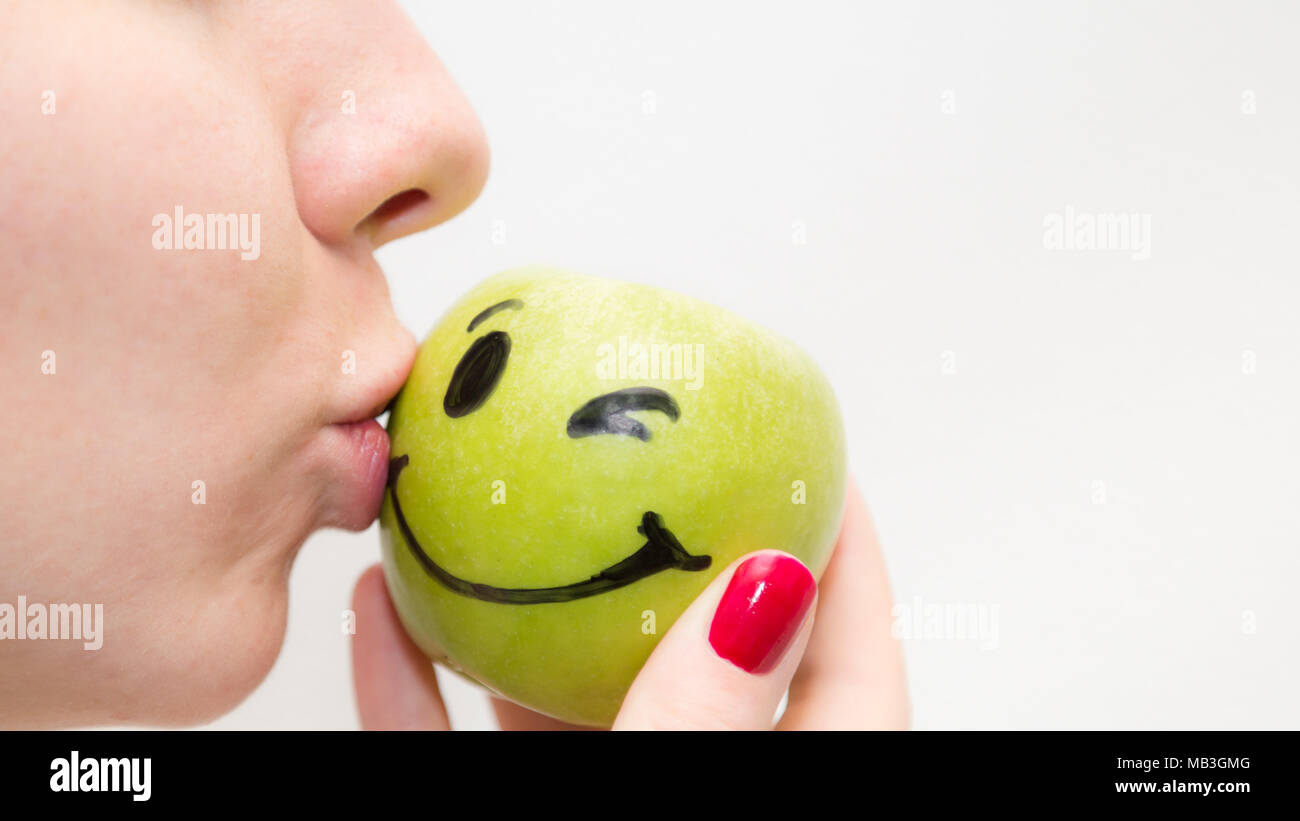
[1100, 473]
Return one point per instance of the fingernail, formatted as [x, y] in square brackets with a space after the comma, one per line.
[761, 611]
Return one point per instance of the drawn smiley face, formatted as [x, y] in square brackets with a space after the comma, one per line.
[556, 499]
[472, 382]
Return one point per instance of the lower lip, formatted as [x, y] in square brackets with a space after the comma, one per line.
[365, 472]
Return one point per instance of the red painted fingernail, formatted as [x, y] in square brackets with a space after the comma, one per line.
[761, 612]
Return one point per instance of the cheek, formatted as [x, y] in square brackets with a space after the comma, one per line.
[101, 192]
[172, 365]
[195, 668]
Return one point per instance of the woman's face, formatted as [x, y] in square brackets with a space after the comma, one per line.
[133, 371]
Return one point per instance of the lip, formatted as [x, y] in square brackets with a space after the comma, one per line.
[355, 444]
[360, 452]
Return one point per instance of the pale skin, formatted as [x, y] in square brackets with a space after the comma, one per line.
[173, 367]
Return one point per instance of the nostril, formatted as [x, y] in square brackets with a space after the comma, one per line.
[395, 207]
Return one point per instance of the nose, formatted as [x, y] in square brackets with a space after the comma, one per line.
[388, 145]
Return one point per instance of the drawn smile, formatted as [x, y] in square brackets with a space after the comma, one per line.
[661, 552]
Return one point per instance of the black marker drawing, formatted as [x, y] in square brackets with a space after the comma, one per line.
[477, 374]
[606, 413]
[661, 552]
[512, 304]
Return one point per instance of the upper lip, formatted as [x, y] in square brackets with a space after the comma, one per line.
[378, 409]
[371, 411]
[377, 395]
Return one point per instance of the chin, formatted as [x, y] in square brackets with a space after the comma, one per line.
[213, 663]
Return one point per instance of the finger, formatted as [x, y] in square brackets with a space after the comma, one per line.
[513, 717]
[852, 673]
[728, 659]
[395, 683]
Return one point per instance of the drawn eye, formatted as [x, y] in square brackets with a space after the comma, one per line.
[477, 374]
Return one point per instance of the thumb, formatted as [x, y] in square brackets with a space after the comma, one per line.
[728, 659]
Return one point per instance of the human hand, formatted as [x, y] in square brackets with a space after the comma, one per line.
[843, 667]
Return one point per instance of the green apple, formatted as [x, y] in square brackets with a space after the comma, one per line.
[574, 458]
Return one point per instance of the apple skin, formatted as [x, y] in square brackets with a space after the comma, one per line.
[503, 496]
